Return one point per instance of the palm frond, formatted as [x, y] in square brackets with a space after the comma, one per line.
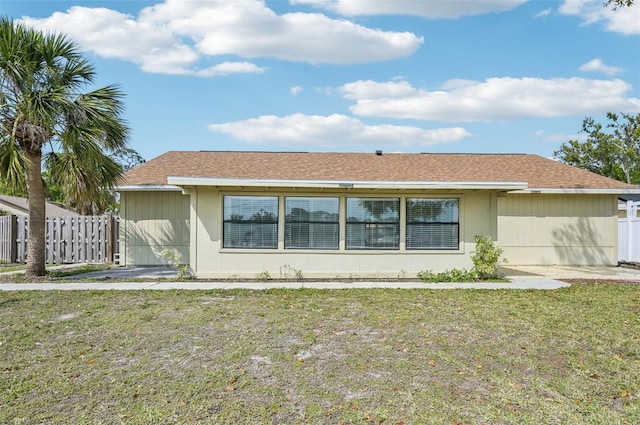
[12, 165]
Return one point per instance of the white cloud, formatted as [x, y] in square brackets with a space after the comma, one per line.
[227, 68]
[173, 36]
[559, 137]
[623, 20]
[596, 65]
[295, 90]
[543, 13]
[493, 99]
[332, 131]
[115, 35]
[372, 89]
[433, 9]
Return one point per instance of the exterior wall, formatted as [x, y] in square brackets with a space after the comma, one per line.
[210, 259]
[558, 229]
[150, 223]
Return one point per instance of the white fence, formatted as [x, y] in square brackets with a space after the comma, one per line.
[81, 239]
[629, 234]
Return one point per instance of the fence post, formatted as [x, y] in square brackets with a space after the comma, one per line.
[13, 239]
[109, 239]
[630, 230]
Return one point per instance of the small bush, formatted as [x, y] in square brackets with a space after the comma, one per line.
[263, 275]
[453, 275]
[174, 258]
[486, 257]
[288, 272]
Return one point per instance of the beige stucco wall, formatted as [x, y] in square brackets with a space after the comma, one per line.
[209, 259]
[558, 229]
[532, 229]
[152, 222]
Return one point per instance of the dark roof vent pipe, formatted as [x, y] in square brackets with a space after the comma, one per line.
[379, 152]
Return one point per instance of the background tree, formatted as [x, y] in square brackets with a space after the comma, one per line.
[58, 189]
[614, 153]
[47, 118]
[618, 3]
[128, 158]
[104, 201]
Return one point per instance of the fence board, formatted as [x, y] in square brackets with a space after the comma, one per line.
[629, 234]
[81, 239]
[5, 238]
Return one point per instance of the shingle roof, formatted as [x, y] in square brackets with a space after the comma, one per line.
[22, 204]
[537, 171]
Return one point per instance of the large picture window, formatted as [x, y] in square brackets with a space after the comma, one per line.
[311, 222]
[433, 223]
[250, 222]
[373, 223]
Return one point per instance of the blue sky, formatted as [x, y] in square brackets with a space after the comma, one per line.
[353, 75]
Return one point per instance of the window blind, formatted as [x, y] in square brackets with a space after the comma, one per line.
[311, 222]
[433, 223]
[250, 222]
[373, 223]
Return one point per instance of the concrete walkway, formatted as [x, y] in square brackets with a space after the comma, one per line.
[162, 285]
[160, 278]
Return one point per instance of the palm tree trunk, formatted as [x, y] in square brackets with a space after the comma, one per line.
[37, 213]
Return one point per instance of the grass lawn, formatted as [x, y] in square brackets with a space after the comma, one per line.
[570, 356]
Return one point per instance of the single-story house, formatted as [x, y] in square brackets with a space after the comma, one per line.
[16, 205]
[363, 214]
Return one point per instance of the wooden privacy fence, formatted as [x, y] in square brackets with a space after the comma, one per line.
[79, 239]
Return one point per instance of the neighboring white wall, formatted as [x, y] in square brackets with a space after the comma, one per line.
[209, 259]
[561, 229]
[629, 232]
[151, 222]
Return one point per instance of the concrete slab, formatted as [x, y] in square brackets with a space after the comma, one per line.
[135, 272]
[572, 272]
[543, 284]
[147, 278]
[510, 272]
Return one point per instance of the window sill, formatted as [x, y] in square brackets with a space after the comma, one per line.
[341, 251]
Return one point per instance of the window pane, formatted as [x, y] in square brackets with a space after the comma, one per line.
[372, 236]
[432, 210]
[373, 210]
[432, 236]
[432, 223]
[373, 223]
[250, 222]
[311, 222]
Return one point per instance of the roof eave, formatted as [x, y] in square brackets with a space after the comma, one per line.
[147, 187]
[346, 184]
[587, 191]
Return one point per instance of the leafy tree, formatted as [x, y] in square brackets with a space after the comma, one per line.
[48, 119]
[614, 153]
[618, 3]
[128, 158]
[98, 203]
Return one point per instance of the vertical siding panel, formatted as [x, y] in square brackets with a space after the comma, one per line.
[155, 221]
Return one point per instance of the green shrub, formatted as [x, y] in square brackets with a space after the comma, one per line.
[174, 258]
[453, 275]
[288, 272]
[486, 257]
[263, 276]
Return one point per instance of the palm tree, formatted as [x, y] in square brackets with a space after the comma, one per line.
[48, 120]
